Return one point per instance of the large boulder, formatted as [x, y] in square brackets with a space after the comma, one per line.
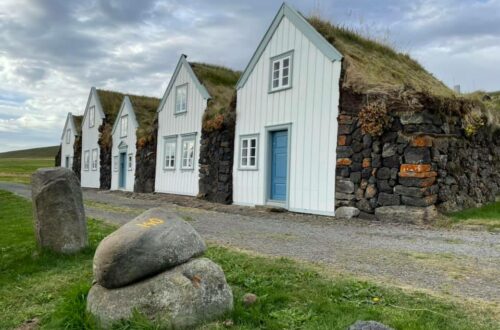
[407, 214]
[153, 242]
[58, 210]
[183, 296]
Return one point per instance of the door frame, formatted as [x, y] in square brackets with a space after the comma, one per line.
[268, 164]
[124, 154]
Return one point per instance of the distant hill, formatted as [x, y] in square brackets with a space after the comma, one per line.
[45, 152]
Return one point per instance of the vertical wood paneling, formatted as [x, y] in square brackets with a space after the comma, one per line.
[90, 137]
[311, 106]
[130, 140]
[182, 182]
[67, 148]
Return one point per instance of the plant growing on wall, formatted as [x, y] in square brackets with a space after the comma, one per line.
[374, 118]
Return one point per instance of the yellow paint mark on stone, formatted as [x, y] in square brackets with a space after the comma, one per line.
[151, 223]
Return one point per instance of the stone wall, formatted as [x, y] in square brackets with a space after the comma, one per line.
[216, 159]
[57, 160]
[145, 162]
[77, 157]
[422, 159]
[105, 154]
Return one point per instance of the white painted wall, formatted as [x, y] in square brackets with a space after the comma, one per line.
[311, 106]
[67, 148]
[90, 136]
[178, 181]
[130, 140]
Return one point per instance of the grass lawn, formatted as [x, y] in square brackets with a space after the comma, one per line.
[19, 170]
[53, 288]
[487, 216]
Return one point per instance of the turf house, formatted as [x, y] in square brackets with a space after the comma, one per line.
[196, 132]
[134, 123]
[327, 119]
[71, 132]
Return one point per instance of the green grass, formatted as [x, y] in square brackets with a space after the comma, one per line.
[44, 152]
[53, 289]
[487, 216]
[20, 169]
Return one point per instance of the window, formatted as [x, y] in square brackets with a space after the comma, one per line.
[68, 135]
[115, 163]
[170, 149]
[86, 160]
[187, 153]
[130, 158]
[181, 99]
[248, 156]
[281, 72]
[92, 116]
[94, 160]
[123, 126]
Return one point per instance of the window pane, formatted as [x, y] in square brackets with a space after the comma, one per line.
[244, 143]
[286, 62]
[252, 152]
[276, 74]
[244, 161]
[276, 83]
[253, 143]
[285, 81]
[285, 72]
[276, 65]
[252, 161]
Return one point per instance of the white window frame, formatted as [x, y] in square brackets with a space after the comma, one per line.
[245, 152]
[169, 162]
[68, 135]
[279, 73]
[123, 126]
[178, 102]
[115, 163]
[92, 116]
[94, 159]
[130, 160]
[86, 160]
[185, 141]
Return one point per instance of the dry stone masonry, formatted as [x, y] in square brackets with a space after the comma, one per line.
[58, 210]
[421, 161]
[152, 265]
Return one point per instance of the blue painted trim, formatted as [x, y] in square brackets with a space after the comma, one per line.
[182, 61]
[301, 24]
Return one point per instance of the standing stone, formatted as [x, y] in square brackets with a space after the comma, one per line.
[58, 210]
[184, 296]
[151, 243]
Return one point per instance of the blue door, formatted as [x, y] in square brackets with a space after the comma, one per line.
[121, 176]
[279, 165]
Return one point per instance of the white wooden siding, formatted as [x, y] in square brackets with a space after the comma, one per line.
[310, 106]
[179, 181]
[90, 136]
[67, 148]
[130, 140]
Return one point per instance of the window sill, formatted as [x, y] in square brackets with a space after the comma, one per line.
[187, 169]
[271, 91]
[248, 168]
[165, 169]
[180, 113]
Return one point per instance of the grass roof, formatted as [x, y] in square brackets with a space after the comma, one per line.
[110, 102]
[78, 123]
[220, 83]
[374, 67]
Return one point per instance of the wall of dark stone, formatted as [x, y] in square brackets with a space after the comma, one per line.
[77, 156]
[422, 159]
[57, 160]
[216, 160]
[145, 162]
[105, 142]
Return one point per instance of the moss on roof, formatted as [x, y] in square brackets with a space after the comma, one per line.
[78, 123]
[110, 102]
[145, 112]
[220, 83]
[373, 67]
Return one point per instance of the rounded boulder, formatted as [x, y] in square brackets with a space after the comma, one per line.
[153, 242]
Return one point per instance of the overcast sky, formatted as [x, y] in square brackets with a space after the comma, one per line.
[53, 51]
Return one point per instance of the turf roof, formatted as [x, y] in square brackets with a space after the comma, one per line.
[78, 123]
[373, 67]
[144, 108]
[219, 82]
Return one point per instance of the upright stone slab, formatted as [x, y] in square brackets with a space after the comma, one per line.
[153, 242]
[58, 210]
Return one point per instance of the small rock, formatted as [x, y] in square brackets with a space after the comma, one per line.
[369, 325]
[153, 242]
[187, 295]
[406, 214]
[249, 299]
[389, 150]
[344, 186]
[346, 212]
[60, 223]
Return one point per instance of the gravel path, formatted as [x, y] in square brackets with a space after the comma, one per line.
[460, 263]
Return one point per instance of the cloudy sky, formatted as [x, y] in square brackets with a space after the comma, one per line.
[53, 51]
